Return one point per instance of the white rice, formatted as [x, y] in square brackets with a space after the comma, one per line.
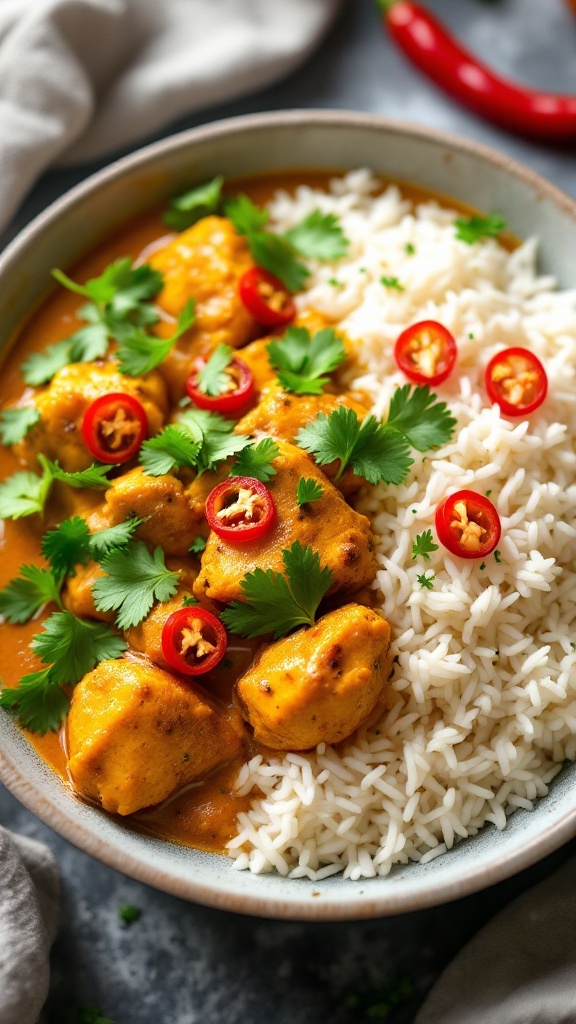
[482, 698]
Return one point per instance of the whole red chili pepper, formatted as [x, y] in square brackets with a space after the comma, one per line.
[439, 55]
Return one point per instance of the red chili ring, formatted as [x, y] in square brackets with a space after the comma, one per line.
[226, 495]
[105, 410]
[254, 285]
[415, 346]
[496, 388]
[198, 621]
[229, 401]
[479, 512]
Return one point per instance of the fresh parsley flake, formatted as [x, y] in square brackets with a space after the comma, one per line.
[139, 353]
[319, 236]
[15, 423]
[488, 493]
[423, 545]
[335, 282]
[278, 603]
[426, 581]
[24, 596]
[308, 490]
[409, 249]
[483, 566]
[302, 363]
[192, 206]
[497, 556]
[197, 546]
[374, 451]
[256, 460]
[393, 283]
[424, 421]
[475, 228]
[189, 601]
[212, 379]
[128, 913]
[134, 579]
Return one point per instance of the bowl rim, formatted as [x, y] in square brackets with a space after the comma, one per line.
[39, 803]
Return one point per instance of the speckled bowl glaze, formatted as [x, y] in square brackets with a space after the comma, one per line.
[99, 206]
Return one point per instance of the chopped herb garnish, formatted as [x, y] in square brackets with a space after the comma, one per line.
[471, 336]
[189, 601]
[128, 913]
[212, 379]
[134, 579]
[335, 282]
[423, 545]
[497, 556]
[426, 581]
[308, 490]
[71, 543]
[187, 209]
[24, 596]
[409, 249]
[302, 363]
[319, 236]
[139, 353]
[256, 460]
[393, 283]
[488, 493]
[374, 451]
[15, 423]
[24, 494]
[277, 603]
[420, 417]
[473, 229]
[173, 448]
[197, 546]
[483, 566]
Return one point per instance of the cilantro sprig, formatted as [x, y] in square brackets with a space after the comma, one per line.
[212, 378]
[474, 228]
[187, 209]
[71, 543]
[256, 460]
[25, 493]
[68, 647]
[319, 236]
[303, 363]
[199, 441]
[275, 602]
[379, 451]
[15, 423]
[424, 545]
[134, 579]
[138, 353]
[22, 597]
[308, 490]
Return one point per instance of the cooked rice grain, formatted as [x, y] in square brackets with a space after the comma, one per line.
[482, 700]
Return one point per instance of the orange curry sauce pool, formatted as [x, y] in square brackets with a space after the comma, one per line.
[203, 814]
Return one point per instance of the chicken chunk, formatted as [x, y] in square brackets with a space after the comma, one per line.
[77, 593]
[136, 734]
[174, 514]
[341, 536]
[320, 683]
[206, 263]
[58, 433]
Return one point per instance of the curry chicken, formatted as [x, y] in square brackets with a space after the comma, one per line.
[217, 567]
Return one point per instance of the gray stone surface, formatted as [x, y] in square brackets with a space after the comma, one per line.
[183, 964]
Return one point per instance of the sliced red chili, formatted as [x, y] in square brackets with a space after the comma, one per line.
[426, 352]
[240, 392]
[266, 298]
[468, 524]
[240, 510]
[114, 427]
[193, 641]
[517, 381]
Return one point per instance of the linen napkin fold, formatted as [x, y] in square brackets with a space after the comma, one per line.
[29, 914]
[82, 78]
[520, 968]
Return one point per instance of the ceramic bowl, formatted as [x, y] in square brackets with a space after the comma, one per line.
[79, 221]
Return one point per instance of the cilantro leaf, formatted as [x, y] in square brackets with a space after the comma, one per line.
[319, 236]
[134, 580]
[197, 546]
[94, 477]
[308, 490]
[120, 289]
[187, 209]
[256, 459]
[376, 452]
[219, 447]
[73, 647]
[276, 255]
[40, 367]
[172, 448]
[301, 363]
[245, 216]
[473, 229]
[424, 422]
[37, 702]
[67, 545]
[15, 423]
[393, 283]
[278, 603]
[212, 379]
[207, 422]
[103, 541]
[24, 596]
[426, 581]
[189, 601]
[139, 353]
[128, 914]
[23, 494]
[423, 545]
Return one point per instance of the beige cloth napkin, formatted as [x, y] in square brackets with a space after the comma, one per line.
[29, 912]
[81, 78]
